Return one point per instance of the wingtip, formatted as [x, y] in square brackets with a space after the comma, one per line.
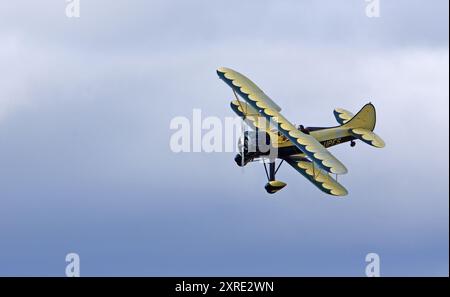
[336, 168]
[380, 144]
[342, 172]
[339, 191]
[222, 70]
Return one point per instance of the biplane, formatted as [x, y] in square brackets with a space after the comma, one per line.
[304, 148]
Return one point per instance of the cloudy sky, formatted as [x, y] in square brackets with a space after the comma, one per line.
[85, 162]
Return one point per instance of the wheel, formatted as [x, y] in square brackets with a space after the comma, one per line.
[239, 161]
[274, 186]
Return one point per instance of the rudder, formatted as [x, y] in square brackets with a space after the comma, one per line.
[364, 119]
[361, 126]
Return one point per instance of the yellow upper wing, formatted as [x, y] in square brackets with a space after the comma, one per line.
[250, 87]
[256, 98]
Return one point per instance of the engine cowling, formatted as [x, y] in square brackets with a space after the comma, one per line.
[254, 142]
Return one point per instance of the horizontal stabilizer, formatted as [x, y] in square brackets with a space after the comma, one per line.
[342, 116]
[368, 137]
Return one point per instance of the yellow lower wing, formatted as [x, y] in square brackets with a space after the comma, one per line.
[251, 117]
[318, 177]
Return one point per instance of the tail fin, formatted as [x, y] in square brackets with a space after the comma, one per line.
[361, 126]
[364, 119]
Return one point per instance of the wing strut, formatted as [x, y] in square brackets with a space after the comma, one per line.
[279, 165]
[270, 174]
[265, 168]
[240, 105]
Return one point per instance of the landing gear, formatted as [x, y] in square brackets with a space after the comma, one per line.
[273, 185]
